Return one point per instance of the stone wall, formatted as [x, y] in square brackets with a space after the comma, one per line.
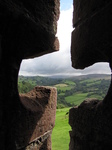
[27, 30]
[91, 122]
[91, 39]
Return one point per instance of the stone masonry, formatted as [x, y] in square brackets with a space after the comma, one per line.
[91, 122]
[27, 30]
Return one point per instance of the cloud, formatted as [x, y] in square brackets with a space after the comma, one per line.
[59, 63]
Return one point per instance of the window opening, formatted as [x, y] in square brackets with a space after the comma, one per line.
[73, 86]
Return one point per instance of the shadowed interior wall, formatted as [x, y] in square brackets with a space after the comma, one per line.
[27, 30]
[91, 122]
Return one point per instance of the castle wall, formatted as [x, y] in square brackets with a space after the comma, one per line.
[91, 121]
[27, 30]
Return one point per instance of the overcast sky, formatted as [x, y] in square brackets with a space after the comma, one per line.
[59, 63]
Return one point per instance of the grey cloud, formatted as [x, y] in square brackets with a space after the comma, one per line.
[49, 65]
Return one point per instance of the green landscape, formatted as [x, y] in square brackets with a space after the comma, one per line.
[71, 92]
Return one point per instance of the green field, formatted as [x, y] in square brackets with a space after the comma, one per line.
[76, 99]
[63, 87]
[60, 135]
[69, 82]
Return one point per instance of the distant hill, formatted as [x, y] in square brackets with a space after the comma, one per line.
[71, 90]
[95, 76]
[80, 76]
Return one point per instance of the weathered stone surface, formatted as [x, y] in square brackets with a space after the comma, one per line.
[91, 39]
[35, 117]
[91, 121]
[29, 27]
[91, 124]
[84, 9]
[44, 142]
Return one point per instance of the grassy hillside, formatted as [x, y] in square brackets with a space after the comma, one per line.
[71, 91]
[60, 134]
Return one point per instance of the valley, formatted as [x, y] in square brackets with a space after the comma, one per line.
[72, 90]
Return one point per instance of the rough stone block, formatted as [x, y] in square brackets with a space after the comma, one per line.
[84, 9]
[91, 126]
[28, 28]
[91, 41]
[36, 118]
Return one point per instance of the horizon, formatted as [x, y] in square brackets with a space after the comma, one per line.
[66, 75]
